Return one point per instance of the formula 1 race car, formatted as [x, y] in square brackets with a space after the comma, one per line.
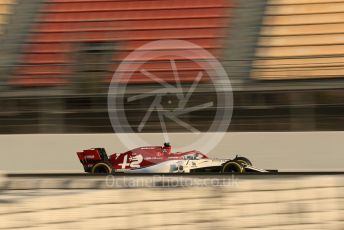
[160, 159]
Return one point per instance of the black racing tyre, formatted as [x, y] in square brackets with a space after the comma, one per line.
[243, 161]
[232, 167]
[101, 168]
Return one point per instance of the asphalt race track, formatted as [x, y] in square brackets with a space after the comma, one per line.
[200, 175]
[126, 180]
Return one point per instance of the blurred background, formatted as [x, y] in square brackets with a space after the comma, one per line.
[284, 59]
[285, 62]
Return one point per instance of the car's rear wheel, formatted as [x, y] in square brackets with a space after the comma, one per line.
[101, 168]
[243, 161]
[232, 167]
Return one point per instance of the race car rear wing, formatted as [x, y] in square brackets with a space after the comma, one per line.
[92, 156]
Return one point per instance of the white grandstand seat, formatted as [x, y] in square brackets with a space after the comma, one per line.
[5, 9]
[301, 39]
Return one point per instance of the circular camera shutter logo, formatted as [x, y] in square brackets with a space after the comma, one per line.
[209, 68]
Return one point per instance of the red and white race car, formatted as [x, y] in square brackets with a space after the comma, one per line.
[160, 159]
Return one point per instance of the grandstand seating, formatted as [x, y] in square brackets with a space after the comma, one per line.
[48, 56]
[301, 39]
[5, 10]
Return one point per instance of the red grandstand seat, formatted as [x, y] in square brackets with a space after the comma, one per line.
[43, 70]
[103, 5]
[130, 24]
[148, 24]
[48, 81]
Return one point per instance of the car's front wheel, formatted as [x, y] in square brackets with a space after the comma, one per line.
[101, 168]
[232, 167]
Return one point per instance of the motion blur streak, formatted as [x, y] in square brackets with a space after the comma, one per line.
[284, 60]
[285, 63]
[312, 203]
